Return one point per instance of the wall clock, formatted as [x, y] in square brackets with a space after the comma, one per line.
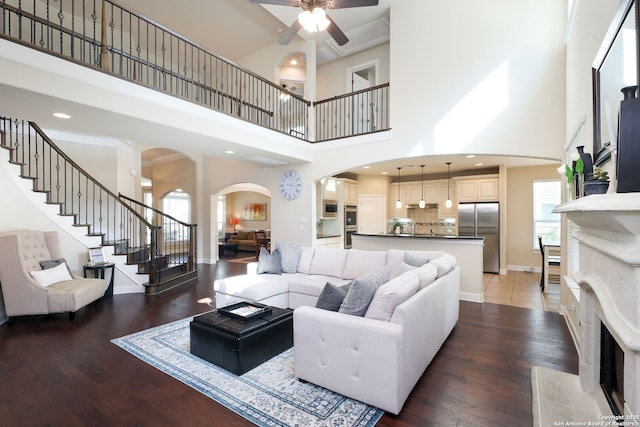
[290, 184]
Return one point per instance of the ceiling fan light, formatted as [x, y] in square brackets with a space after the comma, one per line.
[305, 19]
[320, 20]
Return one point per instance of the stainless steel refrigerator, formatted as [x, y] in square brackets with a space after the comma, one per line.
[482, 220]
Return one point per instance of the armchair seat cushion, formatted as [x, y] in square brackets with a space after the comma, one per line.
[72, 295]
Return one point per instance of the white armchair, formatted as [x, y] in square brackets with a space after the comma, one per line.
[21, 253]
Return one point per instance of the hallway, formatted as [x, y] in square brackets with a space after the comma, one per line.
[521, 289]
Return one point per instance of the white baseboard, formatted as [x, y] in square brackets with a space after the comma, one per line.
[471, 297]
[524, 268]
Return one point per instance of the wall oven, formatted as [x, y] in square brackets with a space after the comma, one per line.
[329, 208]
[350, 216]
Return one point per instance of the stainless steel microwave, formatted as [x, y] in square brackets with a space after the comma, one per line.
[329, 208]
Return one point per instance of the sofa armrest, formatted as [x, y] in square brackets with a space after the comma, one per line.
[354, 356]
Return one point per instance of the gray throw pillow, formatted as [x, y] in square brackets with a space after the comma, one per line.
[289, 256]
[361, 292]
[50, 263]
[332, 296]
[414, 261]
[269, 263]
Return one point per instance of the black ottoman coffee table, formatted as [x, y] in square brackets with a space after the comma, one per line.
[239, 343]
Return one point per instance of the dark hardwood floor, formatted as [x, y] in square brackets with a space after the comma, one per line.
[54, 372]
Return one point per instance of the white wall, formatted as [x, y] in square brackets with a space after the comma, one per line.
[478, 77]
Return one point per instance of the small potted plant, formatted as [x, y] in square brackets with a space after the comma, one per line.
[597, 182]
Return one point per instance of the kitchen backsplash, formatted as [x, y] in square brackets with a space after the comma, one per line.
[427, 221]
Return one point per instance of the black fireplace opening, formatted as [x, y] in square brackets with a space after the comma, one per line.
[612, 370]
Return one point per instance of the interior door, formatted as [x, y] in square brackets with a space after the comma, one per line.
[372, 217]
[360, 120]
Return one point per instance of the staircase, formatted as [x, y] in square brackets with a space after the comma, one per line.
[162, 247]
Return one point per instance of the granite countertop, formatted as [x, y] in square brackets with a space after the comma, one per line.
[420, 236]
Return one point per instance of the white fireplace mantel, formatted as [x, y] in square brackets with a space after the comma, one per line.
[608, 274]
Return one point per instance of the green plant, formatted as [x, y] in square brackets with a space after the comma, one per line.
[568, 172]
[599, 175]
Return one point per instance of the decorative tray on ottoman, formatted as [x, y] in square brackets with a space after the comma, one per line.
[244, 310]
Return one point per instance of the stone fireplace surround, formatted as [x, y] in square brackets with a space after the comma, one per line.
[609, 279]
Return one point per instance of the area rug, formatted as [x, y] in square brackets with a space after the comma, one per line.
[269, 395]
[245, 260]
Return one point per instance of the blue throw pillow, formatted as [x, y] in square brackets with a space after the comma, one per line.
[414, 260]
[289, 256]
[361, 292]
[269, 263]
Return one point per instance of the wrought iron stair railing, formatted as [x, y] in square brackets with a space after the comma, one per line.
[178, 239]
[105, 36]
[92, 205]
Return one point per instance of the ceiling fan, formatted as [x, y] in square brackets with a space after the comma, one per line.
[314, 18]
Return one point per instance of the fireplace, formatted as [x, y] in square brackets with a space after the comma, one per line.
[607, 272]
[611, 370]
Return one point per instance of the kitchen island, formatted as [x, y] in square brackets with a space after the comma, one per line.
[467, 250]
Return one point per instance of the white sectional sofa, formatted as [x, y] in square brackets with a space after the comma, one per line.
[376, 359]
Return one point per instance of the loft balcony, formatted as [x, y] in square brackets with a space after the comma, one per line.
[104, 36]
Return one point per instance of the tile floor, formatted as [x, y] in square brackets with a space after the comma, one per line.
[521, 289]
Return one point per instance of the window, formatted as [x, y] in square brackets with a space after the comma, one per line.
[222, 214]
[546, 195]
[178, 205]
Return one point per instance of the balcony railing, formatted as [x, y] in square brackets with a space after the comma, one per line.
[103, 35]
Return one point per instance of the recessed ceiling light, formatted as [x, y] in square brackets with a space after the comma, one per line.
[62, 115]
[384, 173]
[366, 167]
[471, 156]
[293, 61]
[479, 164]
[230, 152]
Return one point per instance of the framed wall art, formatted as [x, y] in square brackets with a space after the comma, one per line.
[254, 212]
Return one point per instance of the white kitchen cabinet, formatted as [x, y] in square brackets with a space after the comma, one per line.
[330, 189]
[477, 190]
[443, 210]
[330, 242]
[398, 192]
[415, 190]
[350, 193]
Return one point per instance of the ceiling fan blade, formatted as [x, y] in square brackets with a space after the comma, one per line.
[343, 4]
[290, 33]
[294, 3]
[336, 33]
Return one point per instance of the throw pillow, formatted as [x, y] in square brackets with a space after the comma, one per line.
[331, 297]
[426, 275]
[414, 261]
[50, 263]
[289, 256]
[51, 276]
[443, 266]
[403, 268]
[269, 262]
[361, 292]
[391, 294]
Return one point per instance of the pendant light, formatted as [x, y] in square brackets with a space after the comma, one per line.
[399, 203]
[448, 203]
[422, 204]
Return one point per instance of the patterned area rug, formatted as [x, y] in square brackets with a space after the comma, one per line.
[268, 395]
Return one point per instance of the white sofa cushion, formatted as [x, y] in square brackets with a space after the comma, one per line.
[253, 287]
[328, 261]
[312, 284]
[306, 256]
[389, 295]
[427, 274]
[443, 266]
[361, 262]
[361, 292]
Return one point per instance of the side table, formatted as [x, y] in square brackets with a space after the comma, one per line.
[98, 270]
